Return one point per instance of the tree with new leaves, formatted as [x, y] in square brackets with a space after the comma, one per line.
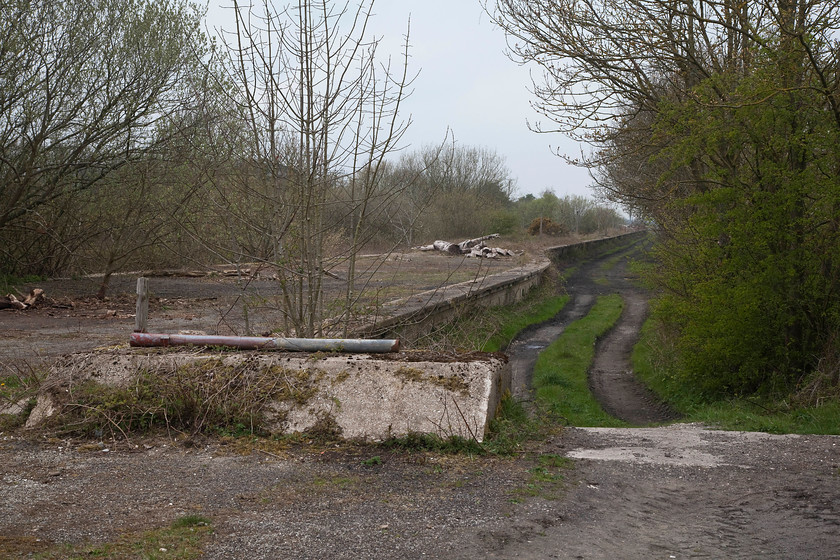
[718, 121]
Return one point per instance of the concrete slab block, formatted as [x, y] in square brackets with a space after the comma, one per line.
[357, 395]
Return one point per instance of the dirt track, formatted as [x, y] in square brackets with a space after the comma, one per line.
[672, 492]
[611, 377]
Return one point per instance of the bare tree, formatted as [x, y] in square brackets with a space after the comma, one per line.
[86, 87]
[319, 113]
[461, 188]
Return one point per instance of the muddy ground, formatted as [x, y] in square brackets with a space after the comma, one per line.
[681, 491]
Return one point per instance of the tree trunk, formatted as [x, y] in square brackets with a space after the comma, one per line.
[470, 243]
[447, 247]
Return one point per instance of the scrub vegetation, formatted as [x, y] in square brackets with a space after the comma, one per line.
[717, 123]
[796, 413]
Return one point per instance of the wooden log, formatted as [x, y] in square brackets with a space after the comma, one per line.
[141, 318]
[15, 303]
[36, 296]
[470, 248]
[447, 247]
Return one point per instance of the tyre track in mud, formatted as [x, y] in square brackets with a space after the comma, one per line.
[524, 351]
[685, 491]
[611, 377]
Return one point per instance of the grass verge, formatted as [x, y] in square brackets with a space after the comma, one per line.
[755, 414]
[183, 540]
[513, 321]
[561, 372]
[492, 329]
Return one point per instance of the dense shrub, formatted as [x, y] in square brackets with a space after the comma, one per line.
[545, 226]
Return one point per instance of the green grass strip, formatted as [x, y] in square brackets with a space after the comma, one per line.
[183, 540]
[491, 329]
[512, 321]
[561, 372]
[654, 367]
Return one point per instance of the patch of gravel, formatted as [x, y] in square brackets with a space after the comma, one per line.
[689, 492]
[302, 503]
[633, 493]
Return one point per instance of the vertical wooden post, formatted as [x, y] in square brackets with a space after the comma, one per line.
[142, 317]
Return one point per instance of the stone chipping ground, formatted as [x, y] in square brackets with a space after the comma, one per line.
[678, 491]
[673, 492]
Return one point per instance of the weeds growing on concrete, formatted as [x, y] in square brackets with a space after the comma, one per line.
[433, 442]
[209, 398]
[510, 431]
[514, 426]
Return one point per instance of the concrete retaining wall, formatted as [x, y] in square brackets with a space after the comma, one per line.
[563, 255]
[411, 318]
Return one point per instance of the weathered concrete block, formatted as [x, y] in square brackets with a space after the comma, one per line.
[360, 396]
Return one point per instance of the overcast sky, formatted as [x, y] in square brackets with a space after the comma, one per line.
[467, 84]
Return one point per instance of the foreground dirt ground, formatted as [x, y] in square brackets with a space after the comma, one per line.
[680, 491]
[674, 492]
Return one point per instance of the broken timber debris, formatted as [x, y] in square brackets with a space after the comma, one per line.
[470, 248]
[35, 297]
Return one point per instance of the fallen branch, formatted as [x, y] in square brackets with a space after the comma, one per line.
[9, 302]
[478, 241]
[35, 297]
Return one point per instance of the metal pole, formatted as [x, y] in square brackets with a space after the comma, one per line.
[354, 345]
